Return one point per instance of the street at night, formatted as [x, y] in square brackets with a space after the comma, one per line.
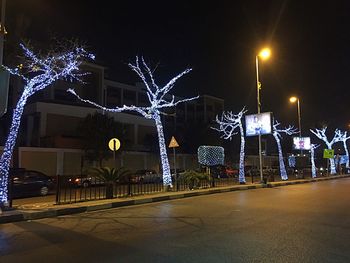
[301, 223]
[186, 131]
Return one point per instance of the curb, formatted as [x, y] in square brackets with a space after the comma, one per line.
[22, 215]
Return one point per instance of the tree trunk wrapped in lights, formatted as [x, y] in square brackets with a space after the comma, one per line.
[37, 72]
[228, 123]
[277, 135]
[344, 138]
[321, 134]
[313, 166]
[158, 100]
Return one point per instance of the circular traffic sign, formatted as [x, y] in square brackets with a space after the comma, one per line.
[114, 144]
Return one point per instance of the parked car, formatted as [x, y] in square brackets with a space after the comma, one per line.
[85, 181]
[30, 183]
[147, 176]
[251, 170]
[219, 171]
[231, 172]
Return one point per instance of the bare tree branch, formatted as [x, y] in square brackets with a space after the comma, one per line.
[141, 110]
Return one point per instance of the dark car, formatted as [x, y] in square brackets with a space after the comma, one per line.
[85, 181]
[219, 171]
[147, 176]
[251, 170]
[29, 183]
[232, 172]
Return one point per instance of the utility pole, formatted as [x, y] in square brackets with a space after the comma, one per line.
[2, 29]
[4, 75]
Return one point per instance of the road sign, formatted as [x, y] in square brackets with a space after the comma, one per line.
[114, 144]
[328, 153]
[173, 143]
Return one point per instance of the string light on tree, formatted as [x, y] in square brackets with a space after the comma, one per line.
[321, 134]
[291, 161]
[313, 166]
[158, 100]
[276, 132]
[344, 138]
[37, 72]
[228, 123]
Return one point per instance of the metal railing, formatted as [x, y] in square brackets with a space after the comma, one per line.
[70, 190]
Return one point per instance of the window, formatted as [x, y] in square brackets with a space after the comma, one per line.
[129, 97]
[62, 95]
[113, 97]
[143, 99]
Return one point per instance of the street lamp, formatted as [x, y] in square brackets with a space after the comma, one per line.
[264, 54]
[293, 100]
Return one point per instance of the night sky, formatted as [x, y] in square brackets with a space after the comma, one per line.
[219, 40]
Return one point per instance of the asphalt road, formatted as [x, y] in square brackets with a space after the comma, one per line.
[299, 223]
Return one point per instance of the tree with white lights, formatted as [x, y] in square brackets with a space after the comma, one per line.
[276, 132]
[37, 72]
[344, 138]
[313, 166]
[159, 100]
[228, 123]
[321, 134]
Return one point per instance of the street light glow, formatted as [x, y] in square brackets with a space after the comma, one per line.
[293, 99]
[265, 53]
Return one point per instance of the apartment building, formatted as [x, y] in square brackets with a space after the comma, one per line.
[51, 117]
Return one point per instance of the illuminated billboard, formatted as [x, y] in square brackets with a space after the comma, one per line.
[301, 143]
[258, 124]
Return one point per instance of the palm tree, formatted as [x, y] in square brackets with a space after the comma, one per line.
[110, 176]
[193, 178]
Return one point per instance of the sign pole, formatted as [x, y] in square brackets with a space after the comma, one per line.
[328, 161]
[114, 155]
[173, 144]
[114, 145]
[174, 161]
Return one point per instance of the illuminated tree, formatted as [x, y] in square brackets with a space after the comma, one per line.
[38, 72]
[159, 100]
[313, 166]
[228, 123]
[321, 134]
[276, 132]
[344, 138]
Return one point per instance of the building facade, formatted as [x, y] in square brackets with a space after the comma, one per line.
[52, 116]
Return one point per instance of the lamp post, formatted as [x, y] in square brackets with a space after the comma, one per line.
[2, 29]
[293, 100]
[264, 54]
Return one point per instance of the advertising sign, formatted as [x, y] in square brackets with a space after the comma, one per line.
[258, 124]
[301, 143]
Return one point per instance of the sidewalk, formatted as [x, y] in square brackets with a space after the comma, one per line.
[45, 210]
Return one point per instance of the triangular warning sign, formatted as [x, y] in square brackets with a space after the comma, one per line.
[173, 143]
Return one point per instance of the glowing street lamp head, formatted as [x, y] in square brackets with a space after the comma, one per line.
[293, 99]
[265, 53]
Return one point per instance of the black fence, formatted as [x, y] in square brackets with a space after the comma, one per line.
[80, 189]
[72, 190]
